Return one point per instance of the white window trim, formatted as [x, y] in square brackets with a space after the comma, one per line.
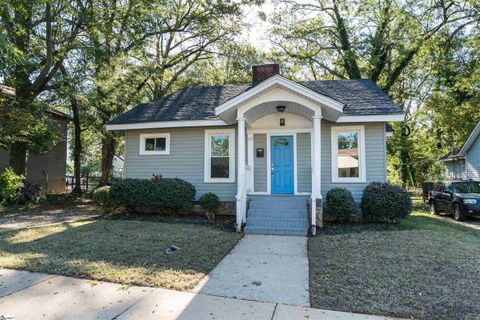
[361, 153]
[231, 153]
[145, 136]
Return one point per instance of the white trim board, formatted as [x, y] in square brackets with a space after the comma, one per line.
[372, 118]
[166, 124]
[471, 139]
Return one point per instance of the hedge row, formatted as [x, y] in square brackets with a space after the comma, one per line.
[156, 195]
[381, 202]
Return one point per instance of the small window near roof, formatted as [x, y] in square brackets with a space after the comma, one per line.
[155, 144]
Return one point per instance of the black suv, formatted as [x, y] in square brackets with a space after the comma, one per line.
[462, 198]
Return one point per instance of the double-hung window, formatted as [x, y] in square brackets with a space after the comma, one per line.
[219, 155]
[348, 154]
[155, 144]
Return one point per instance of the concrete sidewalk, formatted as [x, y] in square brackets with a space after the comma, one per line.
[27, 295]
[262, 268]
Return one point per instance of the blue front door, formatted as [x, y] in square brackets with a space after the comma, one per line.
[282, 164]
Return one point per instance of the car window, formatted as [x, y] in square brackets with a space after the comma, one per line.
[467, 187]
[447, 187]
[439, 186]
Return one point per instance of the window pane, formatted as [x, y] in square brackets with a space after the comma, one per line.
[149, 144]
[348, 164]
[219, 146]
[281, 142]
[219, 167]
[160, 144]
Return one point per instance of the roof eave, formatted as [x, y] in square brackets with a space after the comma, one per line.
[372, 118]
[165, 124]
[471, 139]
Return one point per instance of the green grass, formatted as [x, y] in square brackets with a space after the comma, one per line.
[421, 268]
[127, 252]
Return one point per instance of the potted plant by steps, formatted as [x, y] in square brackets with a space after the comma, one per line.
[210, 203]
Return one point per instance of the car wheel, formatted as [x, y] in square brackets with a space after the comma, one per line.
[457, 213]
[433, 208]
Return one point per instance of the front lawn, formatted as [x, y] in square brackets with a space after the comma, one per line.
[422, 268]
[128, 252]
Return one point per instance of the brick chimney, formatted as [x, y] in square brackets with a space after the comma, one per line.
[264, 71]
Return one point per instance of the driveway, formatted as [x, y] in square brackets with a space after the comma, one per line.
[31, 296]
[262, 268]
[472, 223]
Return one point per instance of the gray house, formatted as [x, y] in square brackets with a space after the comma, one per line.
[464, 163]
[47, 170]
[273, 147]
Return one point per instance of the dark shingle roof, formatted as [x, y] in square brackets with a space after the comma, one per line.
[361, 97]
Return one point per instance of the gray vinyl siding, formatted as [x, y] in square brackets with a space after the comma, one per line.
[185, 161]
[374, 155]
[455, 169]
[304, 163]
[473, 161]
[260, 164]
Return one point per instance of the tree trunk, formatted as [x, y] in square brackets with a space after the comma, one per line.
[77, 147]
[108, 152]
[18, 157]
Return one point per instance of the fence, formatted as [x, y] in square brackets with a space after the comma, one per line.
[86, 183]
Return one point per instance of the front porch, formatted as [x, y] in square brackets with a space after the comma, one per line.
[279, 148]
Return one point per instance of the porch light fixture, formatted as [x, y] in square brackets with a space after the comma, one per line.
[281, 108]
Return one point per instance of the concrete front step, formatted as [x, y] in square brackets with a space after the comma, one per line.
[278, 204]
[277, 214]
[277, 223]
[279, 232]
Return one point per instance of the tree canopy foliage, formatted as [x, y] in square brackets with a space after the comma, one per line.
[96, 59]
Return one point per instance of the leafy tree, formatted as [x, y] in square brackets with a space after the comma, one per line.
[40, 35]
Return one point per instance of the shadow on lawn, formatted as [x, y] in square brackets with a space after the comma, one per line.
[130, 252]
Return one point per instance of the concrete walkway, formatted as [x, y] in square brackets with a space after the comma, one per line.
[262, 268]
[29, 296]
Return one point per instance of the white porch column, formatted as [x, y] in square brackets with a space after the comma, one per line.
[316, 169]
[241, 149]
[241, 180]
[250, 162]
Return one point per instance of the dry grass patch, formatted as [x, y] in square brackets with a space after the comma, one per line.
[421, 268]
[128, 252]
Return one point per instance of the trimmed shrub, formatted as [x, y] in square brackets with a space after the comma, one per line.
[339, 204]
[10, 184]
[102, 197]
[382, 202]
[29, 193]
[210, 203]
[162, 195]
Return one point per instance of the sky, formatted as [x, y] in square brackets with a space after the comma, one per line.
[257, 33]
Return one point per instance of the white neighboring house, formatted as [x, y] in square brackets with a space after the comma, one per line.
[464, 163]
[269, 142]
